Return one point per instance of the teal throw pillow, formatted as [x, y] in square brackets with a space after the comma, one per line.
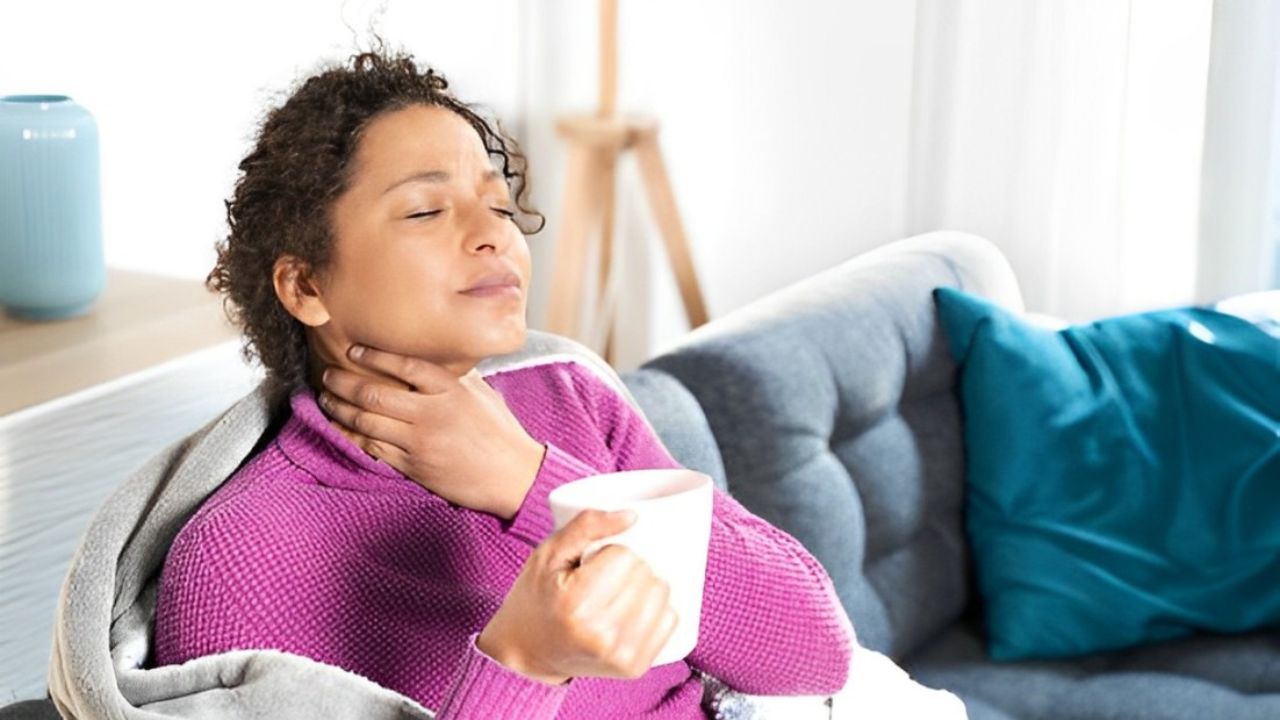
[1122, 476]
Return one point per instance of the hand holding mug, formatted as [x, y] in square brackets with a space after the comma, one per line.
[606, 617]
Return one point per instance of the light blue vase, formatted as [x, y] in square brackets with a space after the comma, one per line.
[51, 263]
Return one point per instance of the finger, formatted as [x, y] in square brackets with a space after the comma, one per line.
[629, 583]
[638, 606]
[375, 427]
[662, 631]
[422, 375]
[607, 577]
[372, 395]
[386, 452]
[641, 611]
[565, 546]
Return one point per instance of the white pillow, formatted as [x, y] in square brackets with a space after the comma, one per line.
[1260, 308]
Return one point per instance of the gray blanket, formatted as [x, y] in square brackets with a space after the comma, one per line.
[102, 629]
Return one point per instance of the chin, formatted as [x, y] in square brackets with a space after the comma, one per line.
[505, 342]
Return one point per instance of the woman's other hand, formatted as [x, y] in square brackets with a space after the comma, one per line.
[454, 436]
[606, 617]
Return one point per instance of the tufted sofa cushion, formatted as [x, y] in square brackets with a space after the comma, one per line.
[832, 403]
[1205, 676]
[678, 421]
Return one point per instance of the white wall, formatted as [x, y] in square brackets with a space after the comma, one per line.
[783, 124]
[784, 127]
[177, 90]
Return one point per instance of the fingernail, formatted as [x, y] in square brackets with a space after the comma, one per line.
[324, 377]
[324, 399]
[356, 351]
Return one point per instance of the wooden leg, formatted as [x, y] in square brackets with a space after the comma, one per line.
[663, 204]
[580, 207]
[607, 196]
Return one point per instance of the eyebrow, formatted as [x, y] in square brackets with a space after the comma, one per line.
[435, 176]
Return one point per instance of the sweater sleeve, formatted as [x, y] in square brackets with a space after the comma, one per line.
[533, 522]
[771, 621]
[484, 689]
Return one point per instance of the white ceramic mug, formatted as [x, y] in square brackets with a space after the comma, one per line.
[671, 534]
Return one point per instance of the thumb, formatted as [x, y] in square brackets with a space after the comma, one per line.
[567, 544]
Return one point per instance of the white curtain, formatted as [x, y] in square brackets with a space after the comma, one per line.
[1240, 199]
[1069, 132]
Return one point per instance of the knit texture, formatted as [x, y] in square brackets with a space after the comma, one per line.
[315, 548]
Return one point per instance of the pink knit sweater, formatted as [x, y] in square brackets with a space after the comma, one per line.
[317, 549]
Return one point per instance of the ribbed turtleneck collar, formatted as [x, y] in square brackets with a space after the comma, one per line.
[310, 440]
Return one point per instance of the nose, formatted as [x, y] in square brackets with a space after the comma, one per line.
[485, 228]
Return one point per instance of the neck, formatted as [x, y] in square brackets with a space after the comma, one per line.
[326, 352]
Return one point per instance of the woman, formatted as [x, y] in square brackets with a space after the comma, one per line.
[397, 524]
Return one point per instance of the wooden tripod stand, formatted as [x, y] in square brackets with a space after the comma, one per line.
[595, 144]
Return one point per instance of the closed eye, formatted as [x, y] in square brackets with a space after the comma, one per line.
[424, 213]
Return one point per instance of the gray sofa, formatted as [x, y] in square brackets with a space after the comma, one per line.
[829, 409]
[832, 406]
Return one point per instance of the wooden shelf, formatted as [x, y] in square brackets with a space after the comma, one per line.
[141, 320]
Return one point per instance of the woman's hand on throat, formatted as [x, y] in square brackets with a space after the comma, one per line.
[454, 436]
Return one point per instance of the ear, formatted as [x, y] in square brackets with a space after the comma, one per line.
[298, 292]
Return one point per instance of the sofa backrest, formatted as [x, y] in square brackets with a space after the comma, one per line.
[677, 419]
[832, 404]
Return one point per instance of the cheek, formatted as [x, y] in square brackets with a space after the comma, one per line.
[389, 296]
[520, 254]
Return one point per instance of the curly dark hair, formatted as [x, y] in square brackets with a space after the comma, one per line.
[301, 161]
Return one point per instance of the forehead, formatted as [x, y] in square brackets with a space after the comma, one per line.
[419, 137]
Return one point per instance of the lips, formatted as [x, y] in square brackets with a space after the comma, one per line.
[494, 282]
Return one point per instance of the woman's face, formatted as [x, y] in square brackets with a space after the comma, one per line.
[425, 217]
